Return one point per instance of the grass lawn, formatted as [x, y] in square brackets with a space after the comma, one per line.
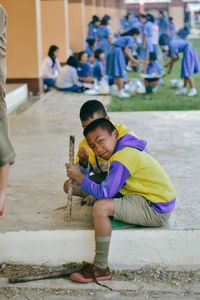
[164, 98]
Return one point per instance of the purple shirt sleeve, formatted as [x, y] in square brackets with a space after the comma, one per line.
[84, 171]
[114, 181]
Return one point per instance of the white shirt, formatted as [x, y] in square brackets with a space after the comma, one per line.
[67, 77]
[47, 70]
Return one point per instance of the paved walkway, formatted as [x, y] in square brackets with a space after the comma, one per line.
[40, 137]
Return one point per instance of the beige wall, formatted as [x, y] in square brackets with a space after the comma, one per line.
[177, 13]
[77, 25]
[24, 42]
[54, 27]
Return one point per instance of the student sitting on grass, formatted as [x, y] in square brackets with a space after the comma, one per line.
[99, 69]
[136, 190]
[68, 78]
[84, 70]
[86, 160]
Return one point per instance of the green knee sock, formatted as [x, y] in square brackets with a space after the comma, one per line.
[102, 248]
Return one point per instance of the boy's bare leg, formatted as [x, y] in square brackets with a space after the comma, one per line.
[76, 190]
[102, 210]
[3, 185]
[103, 228]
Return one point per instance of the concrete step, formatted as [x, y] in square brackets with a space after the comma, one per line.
[128, 249]
[16, 95]
[60, 289]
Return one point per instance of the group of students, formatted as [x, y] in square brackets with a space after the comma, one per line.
[115, 172]
[105, 57]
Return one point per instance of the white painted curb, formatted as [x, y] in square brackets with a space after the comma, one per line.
[128, 249]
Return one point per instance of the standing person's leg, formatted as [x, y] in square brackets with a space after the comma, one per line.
[6, 155]
[193, 91]
[3, 185]
[183, 91]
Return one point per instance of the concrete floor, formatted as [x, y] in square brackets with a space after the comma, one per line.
[40, 137]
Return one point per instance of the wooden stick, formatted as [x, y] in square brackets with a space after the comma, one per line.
[41, 276]
[71, 184]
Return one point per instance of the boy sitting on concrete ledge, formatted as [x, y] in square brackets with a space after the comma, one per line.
[85, 158]
[136, 190]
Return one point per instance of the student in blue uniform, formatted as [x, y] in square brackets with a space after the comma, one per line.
[171, 28]
[190, 62]
[93, 27]
[99, 69]
[155, 33]
[135, 23]
[104, 38]
[162, 23]
[147, 33]
[115, 64]
[84, 70]
[90, 47]
[125, 23]
[153, 65]
[182, 33]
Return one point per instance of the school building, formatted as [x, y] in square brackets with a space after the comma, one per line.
[173, 8]
[34, 25]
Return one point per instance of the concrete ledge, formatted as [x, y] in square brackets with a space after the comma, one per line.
[16, 95]
[129, 248]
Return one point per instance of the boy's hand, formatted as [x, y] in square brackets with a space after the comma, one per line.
[83, 155]
[73, 172]
[89, 200]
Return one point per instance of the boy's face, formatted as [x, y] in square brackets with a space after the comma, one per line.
[89, 120]
[102, 142]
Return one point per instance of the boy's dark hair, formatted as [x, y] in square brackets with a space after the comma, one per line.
[90, 107]
[102, 123]
[52, 49]
[91, 42]
[97, 53]
[104, 21]
[80, 54]
[171, 19]
[152, 56]
[131, 32]
[72, 61]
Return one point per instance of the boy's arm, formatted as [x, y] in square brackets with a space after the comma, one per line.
[115, 180]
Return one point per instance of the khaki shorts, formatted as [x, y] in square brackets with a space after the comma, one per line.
[6, 150]
[135, 209]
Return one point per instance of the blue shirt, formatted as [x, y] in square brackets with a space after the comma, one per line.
[92, 33]
[89, 51]
[124, 41]
[177, 46]
[98, 68]
[83, 70]
[154, 67]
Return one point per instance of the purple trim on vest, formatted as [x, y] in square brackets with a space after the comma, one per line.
[163, 207]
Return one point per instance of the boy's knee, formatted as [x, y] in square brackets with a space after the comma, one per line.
[66, 186]
[100, 207]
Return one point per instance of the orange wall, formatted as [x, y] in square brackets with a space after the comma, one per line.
[23, 59]
[54, 27]
[77, 25]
